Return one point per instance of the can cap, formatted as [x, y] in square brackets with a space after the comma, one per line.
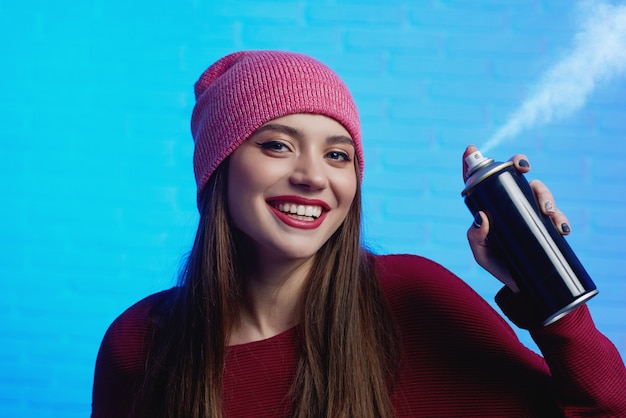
[474, 161]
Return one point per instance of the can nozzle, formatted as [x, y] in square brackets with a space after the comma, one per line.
[474, 161]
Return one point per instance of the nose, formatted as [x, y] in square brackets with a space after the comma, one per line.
[309, 172]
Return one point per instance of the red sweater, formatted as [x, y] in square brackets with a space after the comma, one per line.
[460, 358]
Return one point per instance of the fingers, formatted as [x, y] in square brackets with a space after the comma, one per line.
[520, 161]
[480, 228]
[477, 237]
[548, 207]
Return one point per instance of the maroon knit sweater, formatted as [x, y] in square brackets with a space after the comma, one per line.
[460, 358]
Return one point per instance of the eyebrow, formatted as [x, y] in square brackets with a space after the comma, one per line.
[291, 131]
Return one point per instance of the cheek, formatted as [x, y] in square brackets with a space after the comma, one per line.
[240, 175]
[246, 185]
[347, 189]
[248, 182]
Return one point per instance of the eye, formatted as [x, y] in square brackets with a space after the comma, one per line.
[338, 156]
[272, 145]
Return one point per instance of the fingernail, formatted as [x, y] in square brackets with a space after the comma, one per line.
[565, 228]
[549, 206]
[523, 163]
[478, 220]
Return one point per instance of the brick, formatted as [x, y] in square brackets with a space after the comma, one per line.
[483, 44]
[452, 18]
[393, 40]
[370, 15]
[251, 11]
[405, 87]
[272, 36]
[441, 67]
[432, 111]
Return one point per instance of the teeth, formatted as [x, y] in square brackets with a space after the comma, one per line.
[300, 210]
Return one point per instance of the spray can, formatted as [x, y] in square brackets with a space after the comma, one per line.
[541, 262]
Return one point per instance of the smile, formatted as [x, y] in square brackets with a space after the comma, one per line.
[300, 212]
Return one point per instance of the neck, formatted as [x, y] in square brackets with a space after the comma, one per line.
[271, 303]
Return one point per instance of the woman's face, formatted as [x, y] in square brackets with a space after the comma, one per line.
[291, 184]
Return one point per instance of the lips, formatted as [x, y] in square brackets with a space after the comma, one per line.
[299, 212]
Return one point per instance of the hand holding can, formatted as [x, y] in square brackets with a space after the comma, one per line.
[538, 257]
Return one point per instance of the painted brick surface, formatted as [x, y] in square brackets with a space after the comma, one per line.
[98, 197]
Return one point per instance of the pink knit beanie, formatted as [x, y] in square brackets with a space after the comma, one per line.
[242, 91]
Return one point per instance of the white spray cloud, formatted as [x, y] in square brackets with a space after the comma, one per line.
[598, 54]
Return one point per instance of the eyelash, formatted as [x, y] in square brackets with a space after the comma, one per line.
[279, 146]
[273, 146]
[344, 156]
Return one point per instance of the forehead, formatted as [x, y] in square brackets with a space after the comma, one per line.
[304, 124]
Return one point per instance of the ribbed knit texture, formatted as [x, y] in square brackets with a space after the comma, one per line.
[461, 359]
[244, 90]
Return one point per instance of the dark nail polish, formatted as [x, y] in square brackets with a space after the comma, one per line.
[565, 228]
[523, 163]
[478, 220]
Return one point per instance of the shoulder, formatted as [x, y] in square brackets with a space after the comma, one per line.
[398, 263]
[420, 290]
[127, 341]
[413, 281]
[121, 361]
[405, 272]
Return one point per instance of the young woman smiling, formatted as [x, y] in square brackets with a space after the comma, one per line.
[281, 312]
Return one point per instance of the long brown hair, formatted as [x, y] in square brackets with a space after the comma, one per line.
[350, 352]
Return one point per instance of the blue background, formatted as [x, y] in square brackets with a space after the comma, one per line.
[98, 197]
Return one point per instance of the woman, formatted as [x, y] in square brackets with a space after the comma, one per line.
[281, 312]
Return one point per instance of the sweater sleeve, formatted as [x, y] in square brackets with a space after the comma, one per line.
[121, 360]
[587, 371]
[580, 373]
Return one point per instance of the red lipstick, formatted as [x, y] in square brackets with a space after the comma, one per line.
[290, 219]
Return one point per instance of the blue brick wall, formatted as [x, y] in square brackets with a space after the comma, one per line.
[97, 189]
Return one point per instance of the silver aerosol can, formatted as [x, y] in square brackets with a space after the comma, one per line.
[541, 262]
